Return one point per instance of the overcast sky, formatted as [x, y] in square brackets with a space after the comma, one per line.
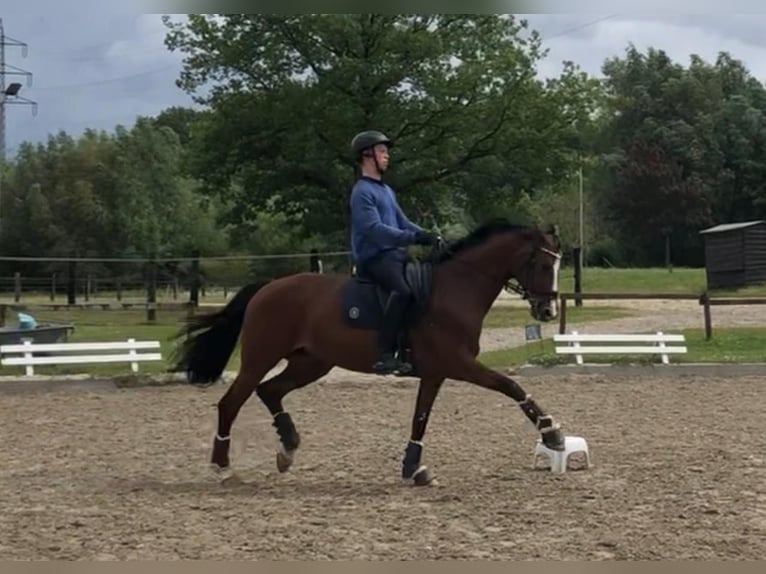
[97, 64]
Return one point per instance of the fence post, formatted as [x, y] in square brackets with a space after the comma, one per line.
[705, 301]
[577, 257]
[53, 287]
[151, 292]
[71, 290]
[661, 344]
[563, 315]
[29, 368]
[194, 280]
[132, 353]
[17, 286]
[315, 263]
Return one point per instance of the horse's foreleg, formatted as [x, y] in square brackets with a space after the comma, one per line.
[474, 372]
[413, 472]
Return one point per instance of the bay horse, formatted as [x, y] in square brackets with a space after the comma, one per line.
[318, 321]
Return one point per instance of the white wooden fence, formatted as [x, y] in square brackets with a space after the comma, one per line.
[26, 353]
[579, 344]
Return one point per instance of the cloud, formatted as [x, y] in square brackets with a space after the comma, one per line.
[95, 72]
[97, 64]
[144, 48]
[680, 36]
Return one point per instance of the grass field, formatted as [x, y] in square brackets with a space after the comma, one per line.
[652, 280]
[728, 345]
[99, 325]
[594, 279]
[119, 325]
[504, 317]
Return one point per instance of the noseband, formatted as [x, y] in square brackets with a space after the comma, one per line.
[531, 266]
[513, 284]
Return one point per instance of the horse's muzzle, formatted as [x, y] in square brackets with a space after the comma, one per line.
[543, 309]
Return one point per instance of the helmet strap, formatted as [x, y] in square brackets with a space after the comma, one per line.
[371, 153]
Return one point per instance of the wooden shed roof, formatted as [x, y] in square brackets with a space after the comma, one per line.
[732, 226]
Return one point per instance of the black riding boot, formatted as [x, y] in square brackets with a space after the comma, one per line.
[388, 363]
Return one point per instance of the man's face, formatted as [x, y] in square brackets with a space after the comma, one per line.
[381, 154]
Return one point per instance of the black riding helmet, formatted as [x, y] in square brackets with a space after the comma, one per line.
[367, 139]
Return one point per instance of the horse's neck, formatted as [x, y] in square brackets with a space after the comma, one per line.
[475, 278]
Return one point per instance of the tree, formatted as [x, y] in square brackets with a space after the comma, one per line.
[179, 119]
[652, 197]
[458, 93]
[99, 195]
[706, 121]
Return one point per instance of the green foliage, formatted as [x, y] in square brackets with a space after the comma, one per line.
[271, 234]
[262, 166]
[116, 195]
[473, 125]
[607, 252]
[652, 196]
[684, 148]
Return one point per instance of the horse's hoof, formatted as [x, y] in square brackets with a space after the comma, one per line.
[284, 459]
[421, 477]
[223, 474]
[554, 440]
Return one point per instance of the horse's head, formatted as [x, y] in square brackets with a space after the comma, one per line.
[536, 271]
[522, 259]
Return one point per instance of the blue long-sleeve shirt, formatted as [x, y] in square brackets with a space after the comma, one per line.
[377, 222]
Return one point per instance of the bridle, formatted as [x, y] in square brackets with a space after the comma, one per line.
[514, 284]
[531, 264]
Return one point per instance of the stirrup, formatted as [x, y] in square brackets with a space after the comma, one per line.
[390, 366]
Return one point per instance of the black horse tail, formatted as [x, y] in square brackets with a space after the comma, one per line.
[204, 355]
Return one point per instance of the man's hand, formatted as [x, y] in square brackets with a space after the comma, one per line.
[426, 238]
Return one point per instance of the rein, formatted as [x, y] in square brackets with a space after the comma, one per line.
[512, 284]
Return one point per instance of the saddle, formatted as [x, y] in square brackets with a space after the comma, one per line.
[363, 301]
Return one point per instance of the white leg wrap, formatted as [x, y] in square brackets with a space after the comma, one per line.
[525, 401]
[411, 479]
[553, 427]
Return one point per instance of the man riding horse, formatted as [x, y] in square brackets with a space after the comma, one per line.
[380, 235]
[296, 319]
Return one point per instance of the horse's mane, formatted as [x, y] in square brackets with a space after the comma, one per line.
[479, 235]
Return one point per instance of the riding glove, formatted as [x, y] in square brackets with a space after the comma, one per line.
[426, 238]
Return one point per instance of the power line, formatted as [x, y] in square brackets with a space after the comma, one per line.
[10, 94]
[176, 259]
[109, 80]
[581, 26]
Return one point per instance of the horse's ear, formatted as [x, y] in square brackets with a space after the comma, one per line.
[553, 230]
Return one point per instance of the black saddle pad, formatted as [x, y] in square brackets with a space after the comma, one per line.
[363, 300]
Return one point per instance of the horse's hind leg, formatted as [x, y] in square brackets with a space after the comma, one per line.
[302, 369]
[228, 409]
